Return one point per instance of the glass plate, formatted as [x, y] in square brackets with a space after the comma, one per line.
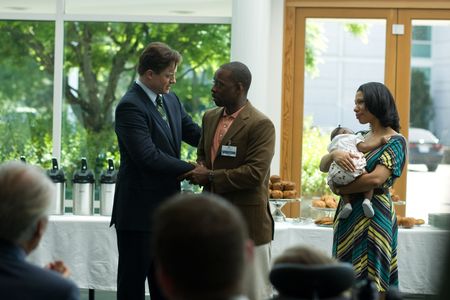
[325, 225]
[399, 202]
[284, 199]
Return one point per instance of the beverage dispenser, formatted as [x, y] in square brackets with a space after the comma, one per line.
[83, 190]
[107, 187]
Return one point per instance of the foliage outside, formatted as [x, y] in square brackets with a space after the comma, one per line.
[315, 143]
[99, 66]
[421, 102]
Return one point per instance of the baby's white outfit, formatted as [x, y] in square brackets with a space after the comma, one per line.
[346, 142]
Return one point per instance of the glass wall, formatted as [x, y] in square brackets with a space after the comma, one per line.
[99, 66]
[26, 90]
[429, 135]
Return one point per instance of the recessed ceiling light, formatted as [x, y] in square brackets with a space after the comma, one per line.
[182, 12]
[16, 8]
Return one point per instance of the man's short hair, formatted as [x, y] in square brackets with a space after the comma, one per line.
[157, 56]
[199, 243]
[240, 73]
[25, 195]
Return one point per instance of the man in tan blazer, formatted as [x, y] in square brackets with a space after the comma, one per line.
[234, 156]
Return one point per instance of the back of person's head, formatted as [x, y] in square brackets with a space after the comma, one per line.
[303, 272]
[240, 73]
[200, 244]
[380, 102]
[304, 255]
[340, 130]
[157, 56]
[25, 195]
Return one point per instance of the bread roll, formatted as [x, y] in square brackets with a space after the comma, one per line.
[275, 178]
[318, 203]
[290, 194]
[288, 185]
[277, 186]
[420, 222]
[408, 222]
[324, 221]
[276, 194]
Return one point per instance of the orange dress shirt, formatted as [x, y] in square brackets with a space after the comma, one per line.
[222, 128]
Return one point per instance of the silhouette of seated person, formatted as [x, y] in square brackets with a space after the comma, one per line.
[306, 273]
[25, 195]
[201, 248]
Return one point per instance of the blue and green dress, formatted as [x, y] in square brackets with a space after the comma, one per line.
[370, 244]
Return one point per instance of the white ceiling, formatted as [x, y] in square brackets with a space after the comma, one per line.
[189, 8]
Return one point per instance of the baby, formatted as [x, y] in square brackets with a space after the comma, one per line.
[344, 139]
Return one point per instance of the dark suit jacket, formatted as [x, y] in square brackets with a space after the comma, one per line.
[243, 179]
[149, 157]
[20, 280]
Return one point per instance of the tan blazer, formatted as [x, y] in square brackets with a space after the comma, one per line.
[243, 179]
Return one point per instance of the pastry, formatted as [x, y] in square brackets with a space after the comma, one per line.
[329, 200]
[420, 222]
[395, 197]
[407, 222]
[276, 194]
[289, 194]
[324, 221]
[330, 203]
[288, 185]
[318, 203]
[275, 178]
[277, 186]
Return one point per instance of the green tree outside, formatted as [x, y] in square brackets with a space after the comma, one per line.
[421, 101]
[103, 57]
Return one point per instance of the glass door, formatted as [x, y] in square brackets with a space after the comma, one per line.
[425, 94]
[337, 50]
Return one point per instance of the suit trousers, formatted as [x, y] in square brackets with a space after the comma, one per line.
[135, 266]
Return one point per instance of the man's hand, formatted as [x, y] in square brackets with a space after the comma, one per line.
[187, 174]
[60, 267]
[200, 175]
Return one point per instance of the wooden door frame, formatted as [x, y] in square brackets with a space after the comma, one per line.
[293, 72]
[397, 67]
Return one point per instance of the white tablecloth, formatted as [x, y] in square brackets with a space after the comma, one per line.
[88, 246]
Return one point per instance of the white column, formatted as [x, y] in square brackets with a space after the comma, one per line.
[257, 41]
[58, 79]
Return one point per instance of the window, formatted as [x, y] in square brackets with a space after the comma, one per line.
[26, 91]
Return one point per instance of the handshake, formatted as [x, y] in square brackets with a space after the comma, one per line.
[200, 175]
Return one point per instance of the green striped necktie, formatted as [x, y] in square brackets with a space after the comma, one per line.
[160, 107]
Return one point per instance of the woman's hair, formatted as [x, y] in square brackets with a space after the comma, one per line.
[380, 102]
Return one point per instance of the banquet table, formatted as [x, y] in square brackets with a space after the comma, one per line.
[88, 247]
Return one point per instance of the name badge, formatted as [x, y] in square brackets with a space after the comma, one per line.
[229, 151]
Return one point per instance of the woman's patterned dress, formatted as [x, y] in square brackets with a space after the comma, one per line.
[370, 244]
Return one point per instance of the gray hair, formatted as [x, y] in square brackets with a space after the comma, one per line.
[25, 195]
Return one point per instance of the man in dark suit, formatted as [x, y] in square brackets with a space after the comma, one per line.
[25, 195]
[150, 125]
[234, 153]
